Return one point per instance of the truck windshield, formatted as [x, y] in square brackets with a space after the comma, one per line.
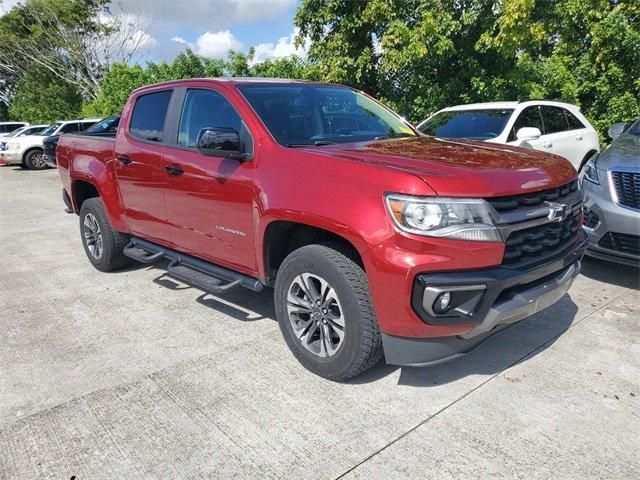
[472, 124]
[299, 114]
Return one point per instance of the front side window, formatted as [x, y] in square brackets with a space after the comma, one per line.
[308, 114]
[481, 124]
[554, 119]
[529, 117]
[205, 109]
[149, 112]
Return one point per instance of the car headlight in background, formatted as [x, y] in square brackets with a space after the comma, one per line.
[590, 172]
[13, 146]
[462, 219]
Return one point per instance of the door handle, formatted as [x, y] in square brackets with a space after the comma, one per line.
[547, 145]
[578, 137]
[124, 159]
[174, 171]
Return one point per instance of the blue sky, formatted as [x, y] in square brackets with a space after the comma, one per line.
[209, 27]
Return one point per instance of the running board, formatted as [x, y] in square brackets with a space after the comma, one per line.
[199, 273]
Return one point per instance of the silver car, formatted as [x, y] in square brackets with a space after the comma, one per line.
[611, 183]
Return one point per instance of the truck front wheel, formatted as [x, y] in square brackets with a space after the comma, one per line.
[101, 243]
[324, 310]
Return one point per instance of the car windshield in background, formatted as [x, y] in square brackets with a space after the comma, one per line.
[298, 115]
[472, 124]
[634, 129]
[50, 129]
[107, 125]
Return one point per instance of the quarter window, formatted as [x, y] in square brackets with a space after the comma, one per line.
[69, 128]
[149, 112]
[205, 109]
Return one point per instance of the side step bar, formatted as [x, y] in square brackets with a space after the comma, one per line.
[204, 275]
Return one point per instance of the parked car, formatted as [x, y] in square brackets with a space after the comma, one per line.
[611, 182]
[8, 127]
[553, 127]
[106, 126]
[28, 151]
[375, 238]
[24, 131]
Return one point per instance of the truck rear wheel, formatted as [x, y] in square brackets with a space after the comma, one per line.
[34, 160]
[101, 243]
[324, 310]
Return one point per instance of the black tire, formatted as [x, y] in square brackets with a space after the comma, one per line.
[362, 344]
[32, 162]
[113, 243]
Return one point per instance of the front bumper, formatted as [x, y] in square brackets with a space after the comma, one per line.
[10, 158]
[510, 295]
[611, 217]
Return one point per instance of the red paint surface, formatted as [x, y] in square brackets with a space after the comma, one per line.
[338, 188]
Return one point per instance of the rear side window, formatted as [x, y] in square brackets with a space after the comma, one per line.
[202, 109]
[554, 120]
[149, 112]
[572, 120]
[529, 117]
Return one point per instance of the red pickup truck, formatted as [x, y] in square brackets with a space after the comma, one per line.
[377, 240]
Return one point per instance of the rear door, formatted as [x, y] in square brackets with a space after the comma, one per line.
[210, 199]
[558, 137]
[138, 155]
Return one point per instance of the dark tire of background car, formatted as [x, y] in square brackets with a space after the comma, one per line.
[28, 162]
[113, 242]
[363, 345]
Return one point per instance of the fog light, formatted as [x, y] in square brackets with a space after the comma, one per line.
[442, 302]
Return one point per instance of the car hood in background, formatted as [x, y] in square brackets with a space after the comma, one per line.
[623, 152]
[461, 168]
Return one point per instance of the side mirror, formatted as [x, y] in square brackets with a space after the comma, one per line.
[528, 133]
[220, 142]
[616, 130]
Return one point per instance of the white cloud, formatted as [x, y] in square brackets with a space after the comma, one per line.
[210, 15]
[6, 5]
[215, 44]
[284, 47]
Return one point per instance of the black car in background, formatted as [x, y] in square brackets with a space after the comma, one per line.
[106, 126]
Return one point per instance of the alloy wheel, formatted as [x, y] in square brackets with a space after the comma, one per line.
[93, 236]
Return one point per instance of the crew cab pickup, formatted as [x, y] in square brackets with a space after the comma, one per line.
[376, 239]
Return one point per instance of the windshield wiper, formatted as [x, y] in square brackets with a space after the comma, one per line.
[317, 143]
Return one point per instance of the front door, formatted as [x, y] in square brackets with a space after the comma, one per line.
[138, 164]
[210, 199]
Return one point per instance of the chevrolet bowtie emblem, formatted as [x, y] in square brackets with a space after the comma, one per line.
[557, 211]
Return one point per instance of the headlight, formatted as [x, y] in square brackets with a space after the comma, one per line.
[463, 219]
[13, 146]
[590, 172]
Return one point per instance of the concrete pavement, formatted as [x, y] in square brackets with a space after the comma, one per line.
[135, 375]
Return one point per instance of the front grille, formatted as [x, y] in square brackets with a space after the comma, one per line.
[627, 185]
[502, 204]
[621, 242]
[535, 243]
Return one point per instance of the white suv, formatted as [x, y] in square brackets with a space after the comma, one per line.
[8, 127]
[553, 127]
[27, 150]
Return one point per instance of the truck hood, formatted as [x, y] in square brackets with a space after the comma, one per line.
[623, 152]
[461, 168]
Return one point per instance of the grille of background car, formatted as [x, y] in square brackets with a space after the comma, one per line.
[627, 185]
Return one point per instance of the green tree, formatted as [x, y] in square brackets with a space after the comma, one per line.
[42, 97]
[422, 55]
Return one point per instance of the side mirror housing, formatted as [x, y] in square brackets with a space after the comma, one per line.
[528, 133]
[220, 142]
[616, 130]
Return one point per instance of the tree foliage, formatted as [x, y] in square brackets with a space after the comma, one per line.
[41, 97]
[422, 55]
